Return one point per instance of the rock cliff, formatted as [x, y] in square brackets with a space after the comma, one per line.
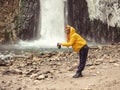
[18, 20]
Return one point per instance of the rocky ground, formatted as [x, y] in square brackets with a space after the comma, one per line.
[53, 70]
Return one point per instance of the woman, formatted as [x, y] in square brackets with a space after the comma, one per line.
[79, 45]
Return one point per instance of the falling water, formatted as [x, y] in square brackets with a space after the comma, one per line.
[52, 25]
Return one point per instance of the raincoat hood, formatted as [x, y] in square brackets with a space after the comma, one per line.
[72, 31]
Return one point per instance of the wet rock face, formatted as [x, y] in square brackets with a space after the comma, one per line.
[78, 15]
[18, 19]
[94, 29]
[8, 10]
[29, 19]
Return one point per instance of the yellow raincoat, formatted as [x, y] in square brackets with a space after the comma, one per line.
[74, 40]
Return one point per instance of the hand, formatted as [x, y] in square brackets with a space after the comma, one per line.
[58, 45]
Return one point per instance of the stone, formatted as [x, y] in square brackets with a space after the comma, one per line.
[98, 61]
[89, 64]
[74, 66]
[3, 63]
[36, 59]
[116, 64]
[2, 24]
[92, 68]
[87, 88]
[8, 72]
[112, 61]
[31, 72]
[41, 77]
[18, 71]
[33, 76]
[19, 88]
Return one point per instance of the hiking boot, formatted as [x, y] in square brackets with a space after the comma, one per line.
[77, 75]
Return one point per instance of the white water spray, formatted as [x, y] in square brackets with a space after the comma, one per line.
[52, 25]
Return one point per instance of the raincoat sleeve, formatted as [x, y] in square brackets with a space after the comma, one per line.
[70, 43]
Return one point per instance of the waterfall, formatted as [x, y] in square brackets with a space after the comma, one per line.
[51, 26]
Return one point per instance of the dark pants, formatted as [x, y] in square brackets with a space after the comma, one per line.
[82, 57]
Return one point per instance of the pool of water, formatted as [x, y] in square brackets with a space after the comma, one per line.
[32, 48]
